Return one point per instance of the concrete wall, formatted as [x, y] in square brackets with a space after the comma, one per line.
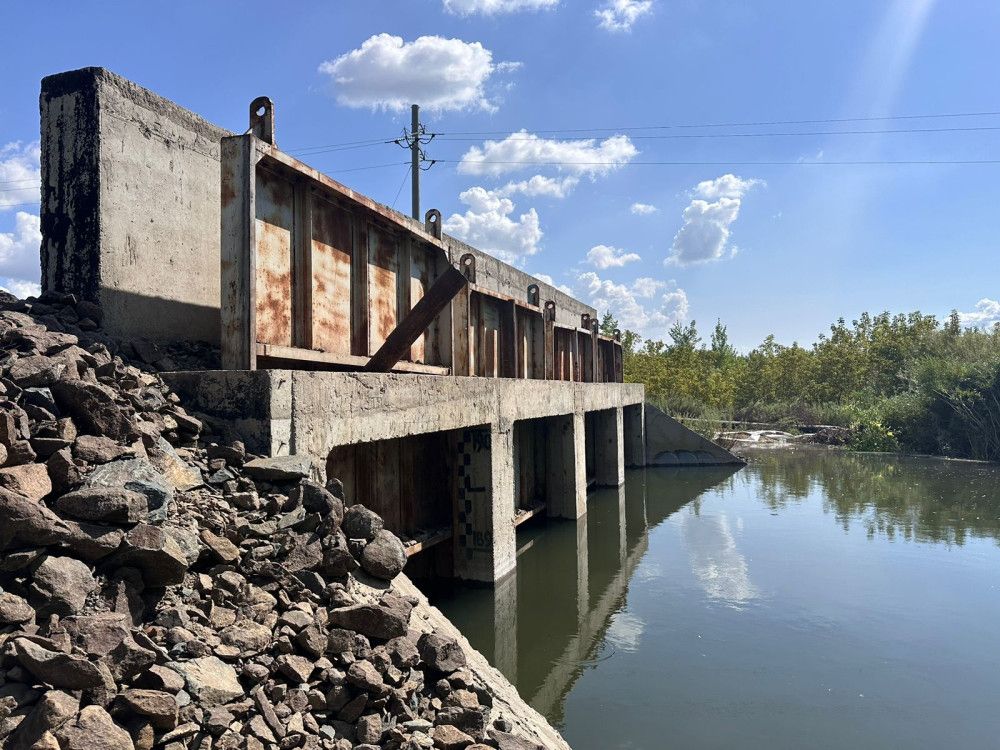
[130, 205]
[131, 210]
[670, 443]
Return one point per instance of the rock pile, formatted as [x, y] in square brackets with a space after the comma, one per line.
[161, 588]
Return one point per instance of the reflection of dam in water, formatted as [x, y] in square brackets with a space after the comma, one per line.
[543, 625]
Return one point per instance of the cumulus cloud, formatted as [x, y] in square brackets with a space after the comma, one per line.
[650, 319]
[643, 209]
[986, 314]
[495, 7]
[21, 288]
[539, 185]
[489, 225]
[544, 277]
[620, 15]
[437, 73]
[605, 256]
[19, 249]
[708, 219]
[20, 175]
[521, 150]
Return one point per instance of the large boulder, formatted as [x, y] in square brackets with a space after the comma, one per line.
[30, 480]
[440, 652]
[60, 585]
[361, 523]
[383, 621]
[60, 670]
[384, 557]
[93, 409]
[209, 680]
[109, 504]
[283, 468]
[156, 554]
[138, 475]
[93, 729]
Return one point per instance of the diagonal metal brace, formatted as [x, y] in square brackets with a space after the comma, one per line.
[399, 341]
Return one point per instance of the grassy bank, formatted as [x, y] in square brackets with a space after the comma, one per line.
[903, 382]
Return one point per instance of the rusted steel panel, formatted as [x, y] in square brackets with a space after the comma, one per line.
[442, 291]
[275, 225]
[383, 296]
[238, 259]
[331, 277]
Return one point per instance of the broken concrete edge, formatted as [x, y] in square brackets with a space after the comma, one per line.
[527, 721]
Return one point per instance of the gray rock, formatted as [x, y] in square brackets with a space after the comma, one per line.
[14, 609]
[440, 652]
[363, 674]
[158, 706]
[110, 504]
[93, 409]
[60, 670]
[369, 729]
[30, 480]
[138, 475]
[283, 468]
[384, 557]
[386, 620]
[209, 680]
[361, 523]
[156, 554]
[95, 449]
[53, 710]
[60, 586]
[36, 370]
[93, 729]
[507, 741]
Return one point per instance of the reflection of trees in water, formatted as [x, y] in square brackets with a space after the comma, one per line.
[925, 499]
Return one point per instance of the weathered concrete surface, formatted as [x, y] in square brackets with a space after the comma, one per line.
[130, 205]
[312, 412]
[669, 443]
[527, 721]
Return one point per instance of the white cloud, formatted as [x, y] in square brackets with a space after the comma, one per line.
[620, 15]
[986, 314]
[544, 277]
[19, 250]
[495, 7]
[521, 150]
[708, 219]
[540, 185]
[651, 320]
[436, 73]
[21, 288]
[489, 226]
[20, 175]
[605, 256]
[643, 209]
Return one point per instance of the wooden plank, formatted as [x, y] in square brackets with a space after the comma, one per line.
[428, 540]
[238, 241]
[346, 361]
[302, 274]
[442, 291]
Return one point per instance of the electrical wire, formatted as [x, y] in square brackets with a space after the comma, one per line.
[400, 190]
[869, 162]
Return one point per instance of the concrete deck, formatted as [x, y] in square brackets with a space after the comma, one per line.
[509, 445]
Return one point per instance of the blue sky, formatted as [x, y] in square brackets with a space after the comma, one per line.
[769, 248]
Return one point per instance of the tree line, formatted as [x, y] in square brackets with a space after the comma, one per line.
[900, 382]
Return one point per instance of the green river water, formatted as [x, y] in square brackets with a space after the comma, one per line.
[813, 599]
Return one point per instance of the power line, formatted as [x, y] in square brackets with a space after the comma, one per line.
[857, 163]
[402, 182]
[758, 123]
[528, 137]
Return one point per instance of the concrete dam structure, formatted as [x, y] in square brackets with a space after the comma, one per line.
[455, 395]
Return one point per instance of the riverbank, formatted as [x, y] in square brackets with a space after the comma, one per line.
[162, 587]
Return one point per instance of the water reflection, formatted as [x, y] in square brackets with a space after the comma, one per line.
[754, 608]
[921, 499]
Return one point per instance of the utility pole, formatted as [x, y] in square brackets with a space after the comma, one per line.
[415, 157]
[414, 139]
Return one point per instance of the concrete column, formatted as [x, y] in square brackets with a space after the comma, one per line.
[505, 625]
[610, 454]
[484, 538]
[582, 572]
[566, 467]
[622, 527]
[635, 439]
